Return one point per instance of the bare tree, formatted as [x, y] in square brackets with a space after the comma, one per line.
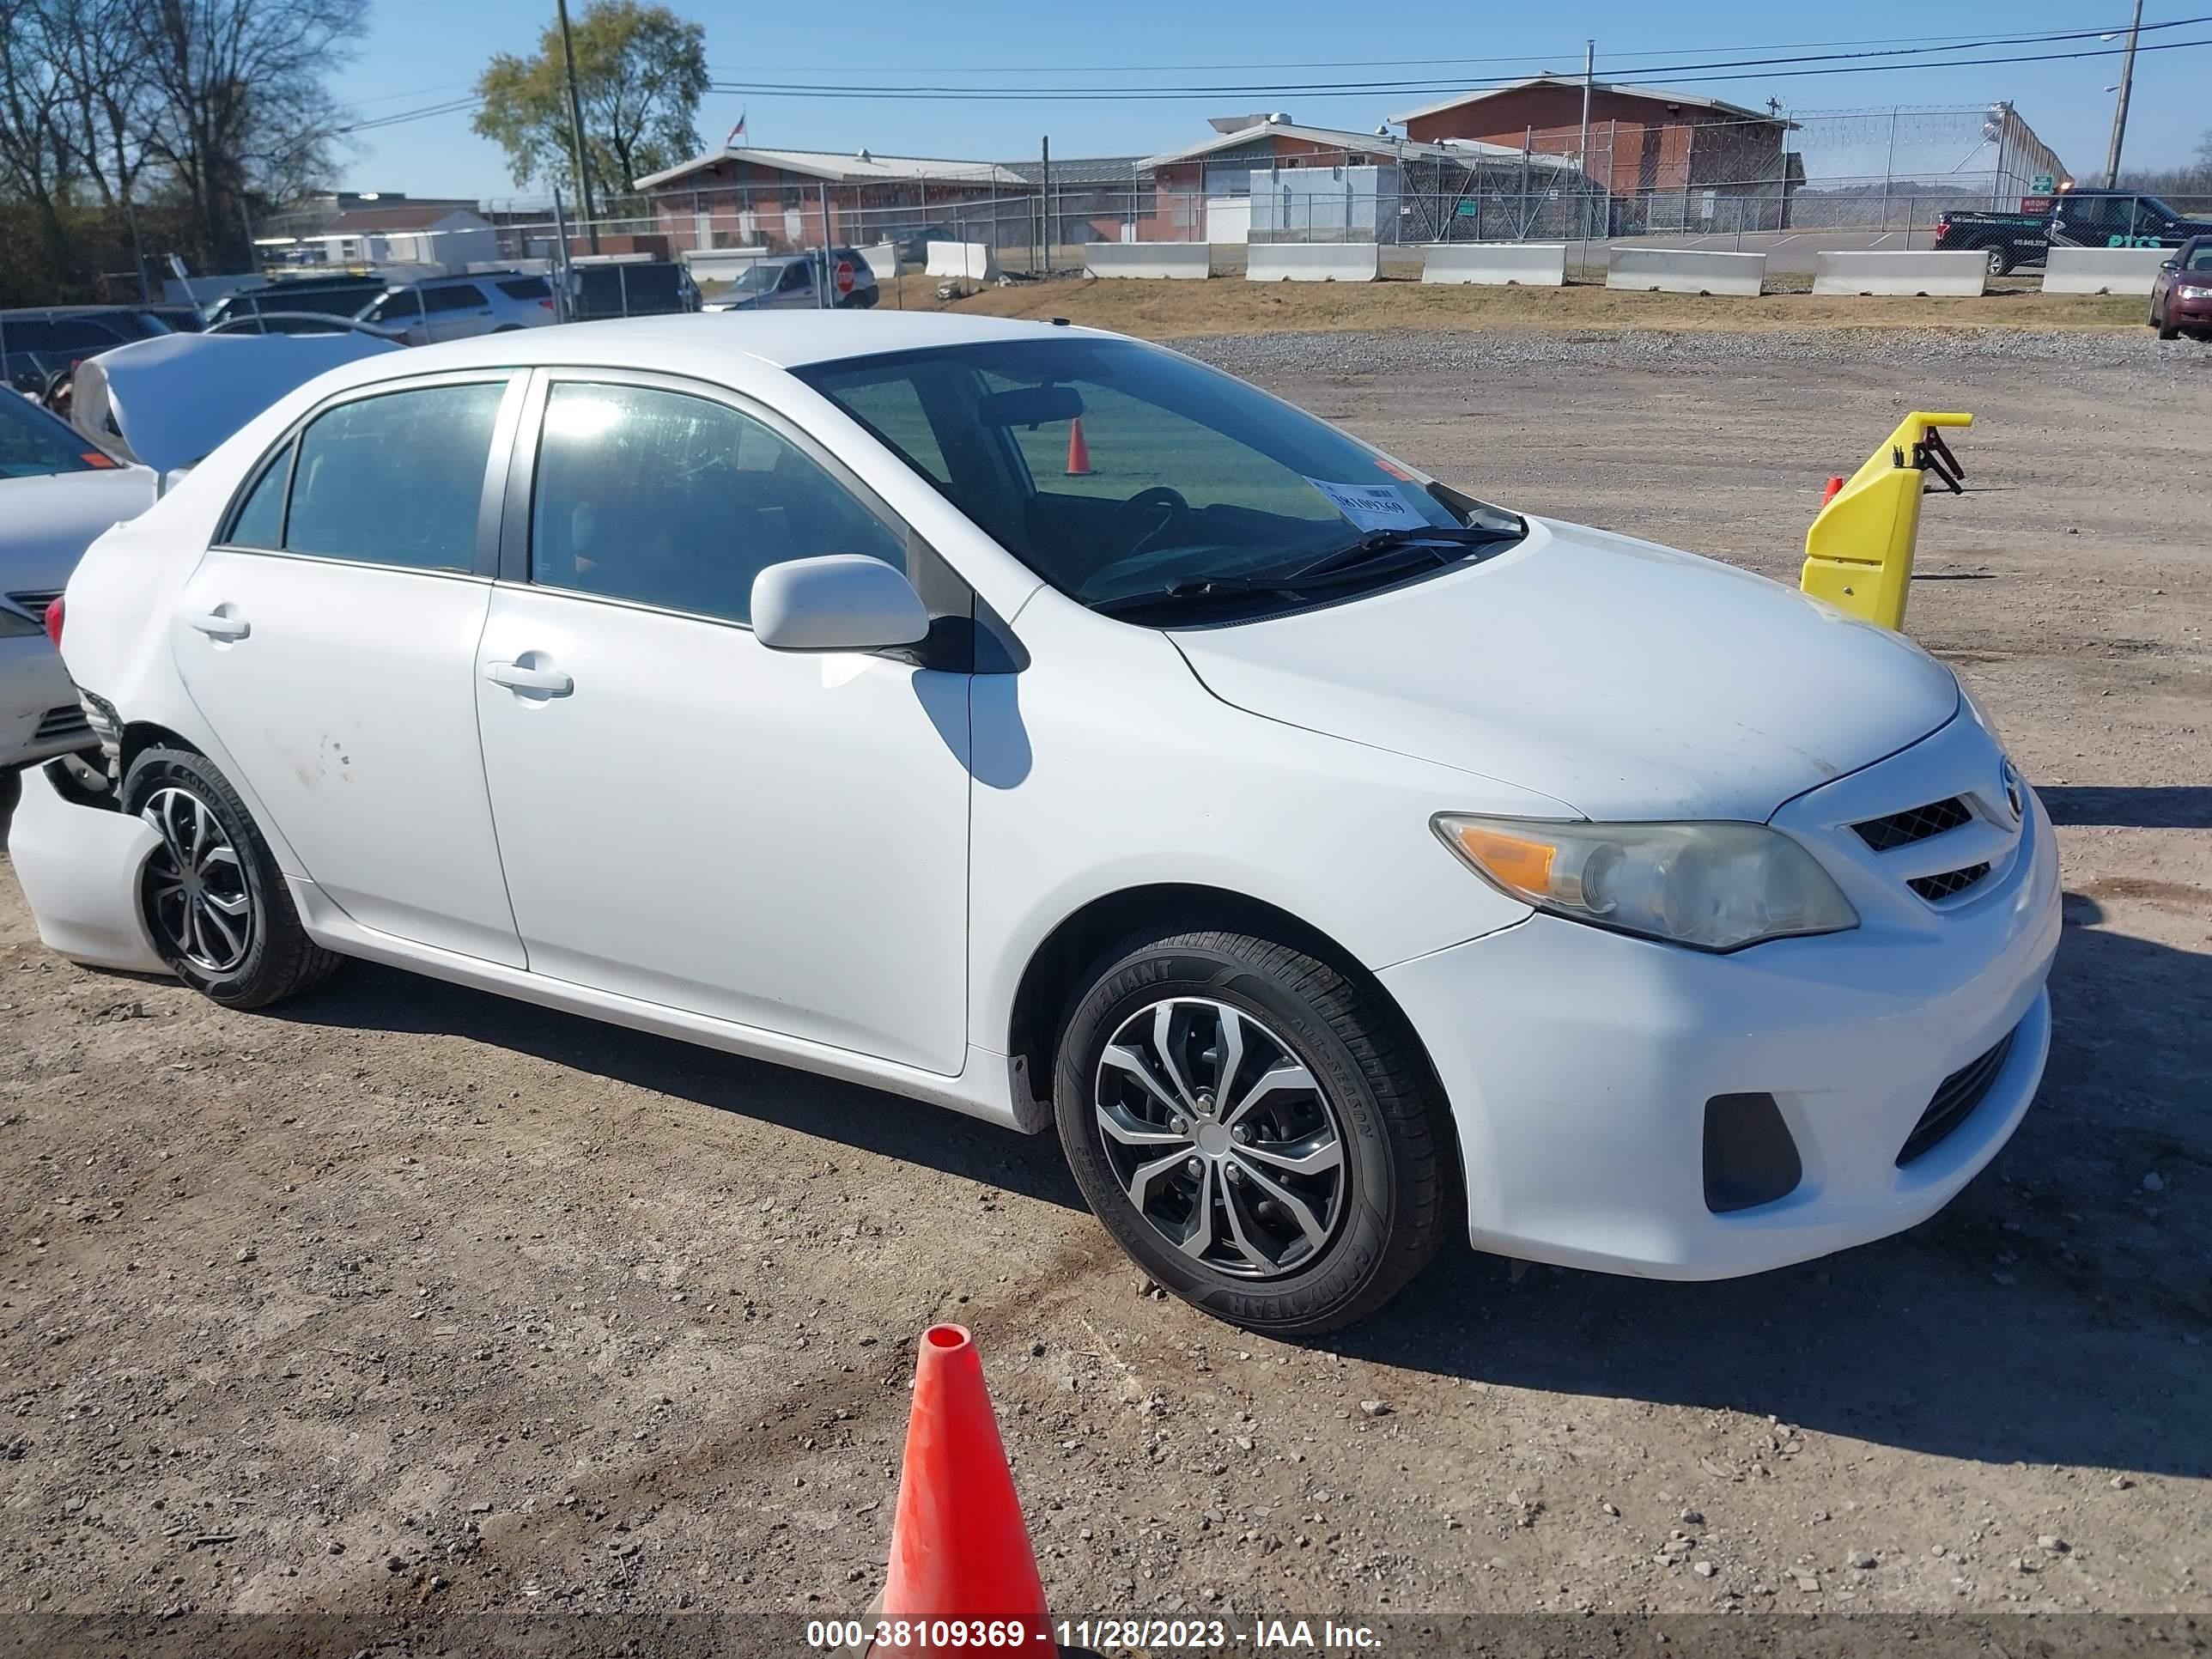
[35, 157]
[239, 103]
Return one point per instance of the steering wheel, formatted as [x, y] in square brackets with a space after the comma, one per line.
[1156, 498]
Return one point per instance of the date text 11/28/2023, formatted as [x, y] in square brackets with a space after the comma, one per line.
[939, 1635]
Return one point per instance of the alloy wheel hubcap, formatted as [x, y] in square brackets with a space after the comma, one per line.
[195, 886]
[1221, 1136]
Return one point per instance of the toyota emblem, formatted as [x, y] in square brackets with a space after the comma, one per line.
[2015, 807]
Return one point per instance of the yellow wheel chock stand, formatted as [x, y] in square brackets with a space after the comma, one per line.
[1858, 554]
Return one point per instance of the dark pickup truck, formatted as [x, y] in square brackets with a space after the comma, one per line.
[2075, 218]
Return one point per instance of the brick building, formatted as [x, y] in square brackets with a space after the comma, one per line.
[1669, 161]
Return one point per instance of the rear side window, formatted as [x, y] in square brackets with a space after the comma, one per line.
[526, 288]
[401, 305]
[397, 478]
[260, 520]
[668, 499]
[462, 296]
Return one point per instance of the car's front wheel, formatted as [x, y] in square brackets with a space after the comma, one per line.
[1254, 1129]
[215, 903]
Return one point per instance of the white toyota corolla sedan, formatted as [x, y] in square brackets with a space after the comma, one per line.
[1335, 858]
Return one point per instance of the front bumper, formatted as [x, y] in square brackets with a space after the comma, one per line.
[38, 713]
[1578, 1064]
[2184, 313]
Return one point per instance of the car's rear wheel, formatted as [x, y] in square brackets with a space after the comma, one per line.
[215, 903]
[1254, 1129]
[2000, 262]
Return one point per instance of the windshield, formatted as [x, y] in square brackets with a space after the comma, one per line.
[759, 277]
[33, 445]
[1122, 473]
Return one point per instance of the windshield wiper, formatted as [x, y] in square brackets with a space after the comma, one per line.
[1362, 555]
[1378, 555]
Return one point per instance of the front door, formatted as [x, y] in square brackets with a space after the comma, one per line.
[329, 639]
[684, 816]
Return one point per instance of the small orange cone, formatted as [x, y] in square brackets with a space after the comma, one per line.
[959, 1549]
[1078, 452]
[1829, 494]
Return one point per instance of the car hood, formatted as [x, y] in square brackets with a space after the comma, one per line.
[45, 524]
[1623, 679]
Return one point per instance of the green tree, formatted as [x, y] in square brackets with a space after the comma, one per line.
[641, 72]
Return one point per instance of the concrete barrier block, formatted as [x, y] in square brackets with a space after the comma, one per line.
[1496, 264]
[1179, 261]
[882, 260]
[2103, 269]
[1685, 270]
[1313, 262]
[1955, 274]
[973, 260]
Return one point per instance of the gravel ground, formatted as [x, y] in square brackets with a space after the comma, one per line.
[406, 1300]
[1934, 351]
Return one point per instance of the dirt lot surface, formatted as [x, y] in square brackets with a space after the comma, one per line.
[404, 1297]
[1162, 310]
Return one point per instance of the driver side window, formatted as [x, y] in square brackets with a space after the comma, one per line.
[668, 499]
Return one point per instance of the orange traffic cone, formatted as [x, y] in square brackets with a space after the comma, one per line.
[1078, 452]
[959, 1549]
[1829, 494]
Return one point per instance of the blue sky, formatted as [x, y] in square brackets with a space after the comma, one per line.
[422, 51]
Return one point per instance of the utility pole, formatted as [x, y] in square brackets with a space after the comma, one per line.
[576, 129]
[2120, 110]
[1582, 151]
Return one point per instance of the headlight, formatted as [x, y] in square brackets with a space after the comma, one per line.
[14, 625]
[1712, 886]
[2194, 293]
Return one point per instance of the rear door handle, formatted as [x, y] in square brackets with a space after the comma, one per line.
[516, 677]
[217, 625]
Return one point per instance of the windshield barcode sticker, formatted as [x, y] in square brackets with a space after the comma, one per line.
[1371, 507]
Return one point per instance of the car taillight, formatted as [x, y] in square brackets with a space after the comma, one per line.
[54, 621]
[547, 304]
[1942, 227]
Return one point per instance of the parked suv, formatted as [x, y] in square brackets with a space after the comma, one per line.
[457, 307]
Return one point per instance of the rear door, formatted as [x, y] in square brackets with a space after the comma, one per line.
[329, 639]
[456, 311]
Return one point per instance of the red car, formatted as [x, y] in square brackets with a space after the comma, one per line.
[2181, 298]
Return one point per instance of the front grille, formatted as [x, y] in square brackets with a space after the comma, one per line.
[1956, 1096]
[67, 721]
[1918, 824]
[1936, 889]
[36, 604]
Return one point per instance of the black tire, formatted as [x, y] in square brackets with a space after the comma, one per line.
[2165, 330]
[276, 959]
[1398, 1188]
[2000, 260]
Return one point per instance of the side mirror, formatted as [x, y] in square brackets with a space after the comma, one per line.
[840, 602]
[2169, 264]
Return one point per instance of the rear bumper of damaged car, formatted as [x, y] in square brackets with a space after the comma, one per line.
[80, 866]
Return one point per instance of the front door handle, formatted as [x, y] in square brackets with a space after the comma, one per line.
[220, 625]
[516, 677]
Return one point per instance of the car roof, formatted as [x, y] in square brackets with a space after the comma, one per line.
[690, 343]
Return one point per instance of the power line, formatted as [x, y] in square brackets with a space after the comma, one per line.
[1930, 43]
[451, 106]
[1837, 63]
